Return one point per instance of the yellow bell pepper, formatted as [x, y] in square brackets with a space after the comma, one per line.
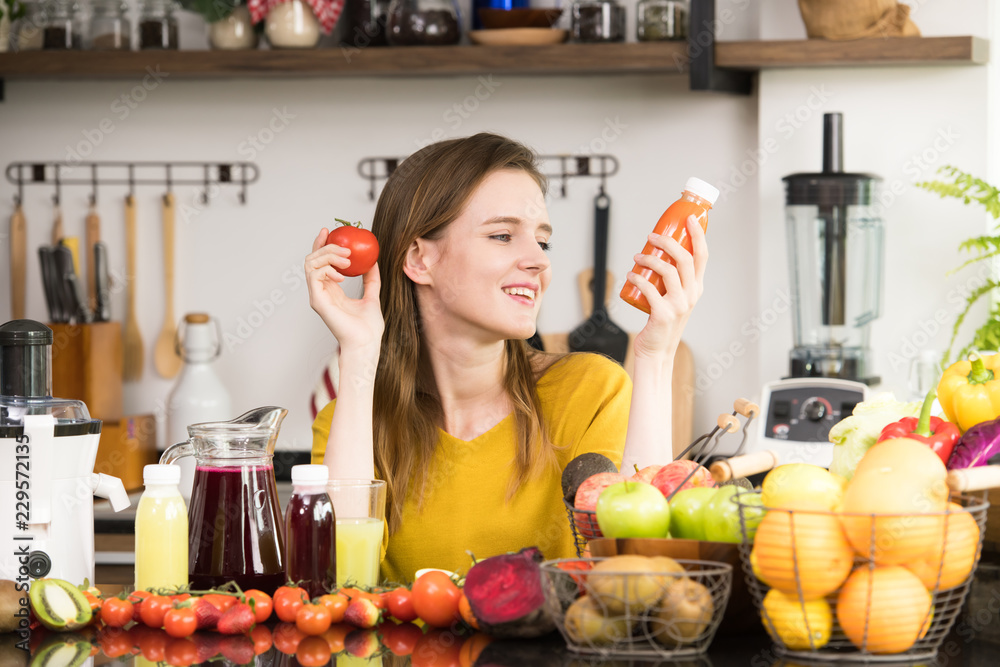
[969, 390]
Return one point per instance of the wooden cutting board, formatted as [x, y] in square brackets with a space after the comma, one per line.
[683, 381]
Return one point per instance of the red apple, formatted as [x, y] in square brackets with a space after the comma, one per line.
[586, 500]
[646, 474]
[673, 474]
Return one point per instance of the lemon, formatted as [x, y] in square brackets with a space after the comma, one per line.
[802, 486]
[800, 626]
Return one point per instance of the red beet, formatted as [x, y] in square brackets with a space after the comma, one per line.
[506, 595]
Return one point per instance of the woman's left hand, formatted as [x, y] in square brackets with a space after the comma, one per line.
[684, 281]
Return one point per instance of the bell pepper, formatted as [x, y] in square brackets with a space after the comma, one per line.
[936, 433]
[969, 391]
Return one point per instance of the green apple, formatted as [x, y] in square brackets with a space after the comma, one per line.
[721, 514]
[633, 509]
[686, 520]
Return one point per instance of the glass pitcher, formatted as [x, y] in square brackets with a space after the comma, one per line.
[234, 517]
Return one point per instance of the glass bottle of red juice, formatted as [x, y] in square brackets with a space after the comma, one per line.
[310, 531]
[697, 198]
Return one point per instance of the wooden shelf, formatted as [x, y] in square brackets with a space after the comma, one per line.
[557, 59]
[758, 55]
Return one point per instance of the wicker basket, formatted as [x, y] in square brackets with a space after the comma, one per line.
[642, 628]
[876, 613]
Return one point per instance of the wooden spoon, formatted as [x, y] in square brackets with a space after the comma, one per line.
[165, 358]
[132, 337]
[18, 263]
[92, 234]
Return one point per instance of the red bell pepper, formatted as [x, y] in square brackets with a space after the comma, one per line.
[940, 435]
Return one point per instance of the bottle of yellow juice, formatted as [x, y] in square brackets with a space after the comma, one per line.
[161, 531]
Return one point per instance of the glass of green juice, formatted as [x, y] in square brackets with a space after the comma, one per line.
[359, 505]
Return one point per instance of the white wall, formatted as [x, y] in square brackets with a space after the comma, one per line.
[232, 259]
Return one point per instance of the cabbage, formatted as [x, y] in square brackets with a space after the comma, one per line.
[856, 434]
[977, 446]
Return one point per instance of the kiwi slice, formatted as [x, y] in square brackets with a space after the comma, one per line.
[59, 605]
[61, 651]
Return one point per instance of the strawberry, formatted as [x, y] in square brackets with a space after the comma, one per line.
[362, 613]
[208, 644]
[361, 643]
[239, 620]
[208, 614]
[238, 650]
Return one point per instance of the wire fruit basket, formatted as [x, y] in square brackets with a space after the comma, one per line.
[583, 524]
[875, 587]
[637, 606]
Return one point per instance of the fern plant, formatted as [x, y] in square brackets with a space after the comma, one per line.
[971, 190]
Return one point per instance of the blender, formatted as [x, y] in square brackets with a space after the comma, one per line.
[47, 481]
[835, 244]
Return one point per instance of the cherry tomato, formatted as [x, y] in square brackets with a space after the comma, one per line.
[180, 597]
[287, 601]
[153, 645]
[181, 652]
[115, 642]
[435, 599]
[336, 604]
[313, 652]
[287, 637]
[262, 641]
[95, 603]
[401, 639]
[362, 244]
[336, 634]
[180, 622]
[437, 648]
[465, 611]
[220, 602]
[154, 608]
[472, 647]
[313, 619]
[262, 604]
[399, 602]
[136, 598]
[116, 613]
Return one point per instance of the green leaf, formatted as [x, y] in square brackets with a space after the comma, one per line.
[966, 187]
[211, 10]
[974, 296]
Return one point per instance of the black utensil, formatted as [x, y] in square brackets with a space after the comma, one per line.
[598, 333]
[103, 303]
[46, 262]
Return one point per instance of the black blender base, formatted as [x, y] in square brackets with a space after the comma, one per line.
[801, 368]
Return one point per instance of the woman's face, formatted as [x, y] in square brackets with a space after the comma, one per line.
[489, 269]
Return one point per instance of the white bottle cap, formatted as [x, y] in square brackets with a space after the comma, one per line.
[161, 474]
[317, 474]
[706, 191]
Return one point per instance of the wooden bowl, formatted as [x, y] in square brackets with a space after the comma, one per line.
[741, 615]
[495, 19]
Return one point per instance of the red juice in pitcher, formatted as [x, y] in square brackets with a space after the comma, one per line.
[310, 531]
[235, 529]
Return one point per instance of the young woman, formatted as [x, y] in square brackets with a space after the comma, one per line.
[439, 394]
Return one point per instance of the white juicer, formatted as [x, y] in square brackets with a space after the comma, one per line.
[48, 447]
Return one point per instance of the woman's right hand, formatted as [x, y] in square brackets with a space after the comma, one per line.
[356, 323]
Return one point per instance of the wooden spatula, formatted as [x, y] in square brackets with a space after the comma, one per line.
[131, 337]
[165, 358]
[92, 234]
[18, 263]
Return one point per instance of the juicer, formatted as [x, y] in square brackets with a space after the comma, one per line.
[48, 447]
[835, 244]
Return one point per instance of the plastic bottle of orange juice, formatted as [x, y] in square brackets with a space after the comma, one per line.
[697, 198]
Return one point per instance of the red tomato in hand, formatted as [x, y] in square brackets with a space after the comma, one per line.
[436, 598]
[362, 244]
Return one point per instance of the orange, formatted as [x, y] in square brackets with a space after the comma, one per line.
[902, 482]
[956, 560]
[883, 608]
[801, 553]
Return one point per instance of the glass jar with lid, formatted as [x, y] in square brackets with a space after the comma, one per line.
[423, 22]
[292, 25]
[234, 32]
[598, 21]
[62, 25]
[110, 29]
[158, 25]
[661, 20]
[27, 33]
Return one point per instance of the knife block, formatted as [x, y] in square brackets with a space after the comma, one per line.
[87, 366]
[126, 446]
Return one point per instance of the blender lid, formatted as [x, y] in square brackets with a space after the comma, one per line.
[25, 332]
[830, 189]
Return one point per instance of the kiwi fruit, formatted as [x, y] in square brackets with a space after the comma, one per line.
[683, 615]
[582, 467]
[62, 650]
[629, 583]
[10, 605]
[589, 624]
[12, 655]
[59, 605]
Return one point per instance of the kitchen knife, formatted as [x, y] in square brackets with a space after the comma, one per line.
[80, 310]
[59, 295]
[102, 311]
[48, 283]
[70, 287]
[92, 235]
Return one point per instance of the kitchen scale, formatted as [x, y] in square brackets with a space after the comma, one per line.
[835, 255]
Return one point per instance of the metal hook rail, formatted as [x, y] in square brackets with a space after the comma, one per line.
[559, 168]
[205, 174]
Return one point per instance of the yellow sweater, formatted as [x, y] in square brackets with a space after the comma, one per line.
[585, 400]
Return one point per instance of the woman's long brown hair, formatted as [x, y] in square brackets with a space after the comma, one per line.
[420, 199]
